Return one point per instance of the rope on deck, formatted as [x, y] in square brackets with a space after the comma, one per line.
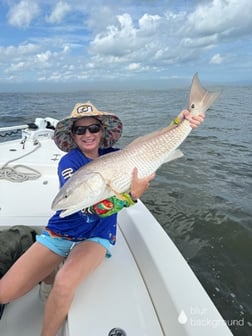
[13, 175]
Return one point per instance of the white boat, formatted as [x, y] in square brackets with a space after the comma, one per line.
[145, 289]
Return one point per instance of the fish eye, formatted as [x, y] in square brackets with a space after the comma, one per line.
[192, 106]
[65, 196]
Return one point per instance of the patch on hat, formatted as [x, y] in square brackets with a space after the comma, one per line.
[84, 108]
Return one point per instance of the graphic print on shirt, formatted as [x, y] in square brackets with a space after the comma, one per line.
[66, 173]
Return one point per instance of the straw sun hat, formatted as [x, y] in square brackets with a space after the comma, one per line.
[111, 123]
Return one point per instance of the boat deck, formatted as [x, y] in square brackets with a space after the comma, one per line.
[23, 317]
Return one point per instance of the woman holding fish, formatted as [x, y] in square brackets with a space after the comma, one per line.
[82, 239]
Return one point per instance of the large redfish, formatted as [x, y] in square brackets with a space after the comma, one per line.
[111, 174]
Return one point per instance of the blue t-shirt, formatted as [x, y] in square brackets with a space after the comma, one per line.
[81, 225]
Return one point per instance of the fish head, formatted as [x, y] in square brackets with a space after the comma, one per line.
[80, 191]
[200, 99]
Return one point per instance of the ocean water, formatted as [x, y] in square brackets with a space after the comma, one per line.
[203, 200]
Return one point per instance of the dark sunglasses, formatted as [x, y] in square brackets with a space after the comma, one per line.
[79, 130]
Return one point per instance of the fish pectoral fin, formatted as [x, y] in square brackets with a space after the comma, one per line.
[174, 155]
[95, 183]
[115, 192]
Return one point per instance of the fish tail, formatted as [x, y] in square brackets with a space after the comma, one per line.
[200, 99]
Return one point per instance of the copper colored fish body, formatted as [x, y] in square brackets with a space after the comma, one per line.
[111, 174]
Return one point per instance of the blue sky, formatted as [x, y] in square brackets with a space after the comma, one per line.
[122, 43]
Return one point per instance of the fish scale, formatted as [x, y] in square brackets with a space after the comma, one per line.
[111, 174]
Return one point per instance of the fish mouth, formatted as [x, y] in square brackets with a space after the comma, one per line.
[64, 211]
[68, 212]
[63, 208]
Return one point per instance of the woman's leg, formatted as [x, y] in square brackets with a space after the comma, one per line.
[33, 266]
[46, 285]
[82, 260]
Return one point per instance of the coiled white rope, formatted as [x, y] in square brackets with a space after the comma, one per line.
[13, 175]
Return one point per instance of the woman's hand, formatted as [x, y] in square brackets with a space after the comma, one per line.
[195, 121]
[139, 185]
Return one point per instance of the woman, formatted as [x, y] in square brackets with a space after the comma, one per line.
[81, 240]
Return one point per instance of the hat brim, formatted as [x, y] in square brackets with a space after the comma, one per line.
[112, 131]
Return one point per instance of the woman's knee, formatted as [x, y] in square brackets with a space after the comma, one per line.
[63, 286]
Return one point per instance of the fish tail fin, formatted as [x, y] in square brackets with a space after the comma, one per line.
[200, 99]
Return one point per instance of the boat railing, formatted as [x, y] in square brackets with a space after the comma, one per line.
[13, 128]
[42, 127]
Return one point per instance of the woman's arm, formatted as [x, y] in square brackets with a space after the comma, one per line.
[114, 204]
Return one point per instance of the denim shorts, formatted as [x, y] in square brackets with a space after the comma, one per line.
[62, 246]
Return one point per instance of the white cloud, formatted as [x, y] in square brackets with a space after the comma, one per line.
[216, 59]
[16, 67]
[116, 40]
[134, 66]
[10, 52]
[90, 65]
[127, 41]
[34, 59]
[59, 12]
[21, 14]
[119, 40]
[149, 23]
[66, 49]
[166, 38]
[225, 17]
[44, 57]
